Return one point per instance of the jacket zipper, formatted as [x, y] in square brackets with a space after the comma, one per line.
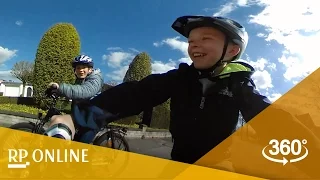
[201, 106]
[203, 100]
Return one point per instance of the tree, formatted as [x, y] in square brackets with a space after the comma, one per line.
[56, 50]
[161, 116]
[23, 70]
[139, 68]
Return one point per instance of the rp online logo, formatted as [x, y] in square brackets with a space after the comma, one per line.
[285, 147]
[19, 158]
[16, 158]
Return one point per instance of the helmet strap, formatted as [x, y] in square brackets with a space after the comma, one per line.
[218, 67]
[226, 42]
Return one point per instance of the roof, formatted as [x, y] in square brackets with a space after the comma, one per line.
[13, 83]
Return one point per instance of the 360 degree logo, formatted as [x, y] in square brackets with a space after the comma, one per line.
[285, 147]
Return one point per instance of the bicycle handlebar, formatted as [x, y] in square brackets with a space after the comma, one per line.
[51, 93]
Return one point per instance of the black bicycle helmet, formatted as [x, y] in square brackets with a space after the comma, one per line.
[234, 31]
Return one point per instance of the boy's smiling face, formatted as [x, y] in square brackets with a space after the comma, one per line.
[206, 47]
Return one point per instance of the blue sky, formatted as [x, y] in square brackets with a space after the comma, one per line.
[113, 32]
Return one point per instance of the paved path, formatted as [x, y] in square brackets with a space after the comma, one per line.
[153, 147]
[9, 119]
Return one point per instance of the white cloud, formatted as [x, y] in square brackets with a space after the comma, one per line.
[185, 60]
[262, 78]
[115, 59]
[262, 35]
[118, 74]
[296, 30]
[19, 23]
[263, 63]
[157, 44]
[176, 44]
[119, 60]
[117, 56]
[242, 2]
[6, 54]
[295, 82]
[226, 9]
[161, 67]
[231, 6]
[273, 97]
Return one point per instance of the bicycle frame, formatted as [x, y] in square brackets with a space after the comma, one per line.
[39, 124]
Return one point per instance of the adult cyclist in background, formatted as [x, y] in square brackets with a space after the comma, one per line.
[88, 83]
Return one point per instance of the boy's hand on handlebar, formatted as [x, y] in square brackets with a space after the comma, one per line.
[50, 91]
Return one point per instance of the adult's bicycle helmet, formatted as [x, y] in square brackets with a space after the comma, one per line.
[83, 60]
[234, 31]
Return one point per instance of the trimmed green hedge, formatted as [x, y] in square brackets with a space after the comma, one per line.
[160, 116]
[32, 112]
[21, 109]
[64, 106]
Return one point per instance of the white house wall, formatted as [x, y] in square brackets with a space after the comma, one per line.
[2, 88]
[14, 90]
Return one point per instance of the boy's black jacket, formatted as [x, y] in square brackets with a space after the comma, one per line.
[196, 127]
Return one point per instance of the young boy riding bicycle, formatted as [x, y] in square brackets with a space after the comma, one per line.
[206, 96]
[209, 93]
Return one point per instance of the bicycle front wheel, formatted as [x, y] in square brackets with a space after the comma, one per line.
[24, 126]
[13, 140]
[111, 164]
